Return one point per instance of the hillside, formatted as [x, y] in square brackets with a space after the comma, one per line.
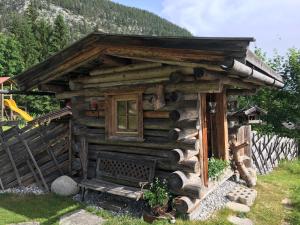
[84, 16]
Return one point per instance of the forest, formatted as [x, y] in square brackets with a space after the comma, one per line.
[29, 39]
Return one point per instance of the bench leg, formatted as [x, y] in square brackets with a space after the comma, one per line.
[82, 193]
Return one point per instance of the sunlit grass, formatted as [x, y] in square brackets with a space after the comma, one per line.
[272, 188]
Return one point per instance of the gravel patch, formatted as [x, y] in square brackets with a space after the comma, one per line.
[33, 189]
[119, 206]
[215, 200]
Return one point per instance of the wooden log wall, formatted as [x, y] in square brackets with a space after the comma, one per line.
[170, 120]
[34, 154]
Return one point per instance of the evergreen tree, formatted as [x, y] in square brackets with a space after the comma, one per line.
[61, 35]
[43, 37]
[22, 30]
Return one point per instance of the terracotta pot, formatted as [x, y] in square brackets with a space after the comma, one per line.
[149, 217]
[155, 213]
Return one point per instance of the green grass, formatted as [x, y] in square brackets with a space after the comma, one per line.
[267, 210]
[46, 209]
[282, 183]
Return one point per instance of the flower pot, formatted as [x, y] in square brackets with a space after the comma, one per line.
[155, 213]
[149, 217]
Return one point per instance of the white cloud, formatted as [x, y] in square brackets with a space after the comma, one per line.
[274, 23]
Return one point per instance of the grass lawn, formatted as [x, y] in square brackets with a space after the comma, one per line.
[268, 210]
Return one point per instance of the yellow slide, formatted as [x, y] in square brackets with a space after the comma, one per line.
[13, 106]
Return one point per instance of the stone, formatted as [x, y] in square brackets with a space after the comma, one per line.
[239, 221]
[237, 207]
[81, 217]
[64, 186]
[242, 195]
[287, 203]
[26, 223]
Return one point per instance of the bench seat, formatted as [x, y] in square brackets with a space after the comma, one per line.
[111, 188]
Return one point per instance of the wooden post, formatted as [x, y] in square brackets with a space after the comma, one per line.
[84, 156]
[204, 139]
[222, 127]
[70, 147]
[2, 103]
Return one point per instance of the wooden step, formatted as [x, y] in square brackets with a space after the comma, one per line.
[112, 188]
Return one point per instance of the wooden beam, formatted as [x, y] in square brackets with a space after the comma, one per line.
[204, 147]
[130, 67]
[222, 127]
[186, 87]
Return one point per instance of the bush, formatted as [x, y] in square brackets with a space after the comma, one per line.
[158, 194]
[216, 167]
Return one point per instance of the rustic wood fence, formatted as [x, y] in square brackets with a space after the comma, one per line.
[37, 153]
[269, 150]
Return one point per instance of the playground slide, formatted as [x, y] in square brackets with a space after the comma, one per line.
[13, 106]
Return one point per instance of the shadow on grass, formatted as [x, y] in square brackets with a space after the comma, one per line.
[46, 209]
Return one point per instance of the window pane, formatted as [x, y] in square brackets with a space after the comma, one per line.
[132, 108]
[121, 122]
[121, 105]
[132, 123]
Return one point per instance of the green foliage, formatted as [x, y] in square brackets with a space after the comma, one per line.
[11, 62]
[282, 105]
[216, 167]
[158, 194]
[60, 34]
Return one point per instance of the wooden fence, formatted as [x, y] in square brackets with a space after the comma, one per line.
[34, 154]
[269, 150]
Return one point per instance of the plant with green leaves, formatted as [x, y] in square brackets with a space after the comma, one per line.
[158, 194]
[216, 167]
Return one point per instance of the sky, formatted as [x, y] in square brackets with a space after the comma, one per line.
[275, 24]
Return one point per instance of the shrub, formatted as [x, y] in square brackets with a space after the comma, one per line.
[216, 167]
[158, 194]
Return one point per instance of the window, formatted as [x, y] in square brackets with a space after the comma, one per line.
[124, 117]
[127, 119]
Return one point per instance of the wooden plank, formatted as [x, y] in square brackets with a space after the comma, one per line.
[33, 173]
[112, 188]
[1, 185]
[8, 152]
[222, 127]
[84, 156]
[32, 158]
[50, 149]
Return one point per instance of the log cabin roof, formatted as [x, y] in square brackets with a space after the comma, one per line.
[225, 55]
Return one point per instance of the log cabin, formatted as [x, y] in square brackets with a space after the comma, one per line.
[146, 107]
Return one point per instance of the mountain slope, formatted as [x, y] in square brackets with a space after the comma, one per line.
[84, 16]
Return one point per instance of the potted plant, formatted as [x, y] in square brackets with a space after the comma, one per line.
[157, 198]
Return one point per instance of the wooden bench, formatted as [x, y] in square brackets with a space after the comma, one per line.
[120, 174]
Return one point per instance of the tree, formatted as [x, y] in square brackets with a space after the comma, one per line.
[282, 105]
[23, 33]
[11, 62]
[61, 36]
[44, 36]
